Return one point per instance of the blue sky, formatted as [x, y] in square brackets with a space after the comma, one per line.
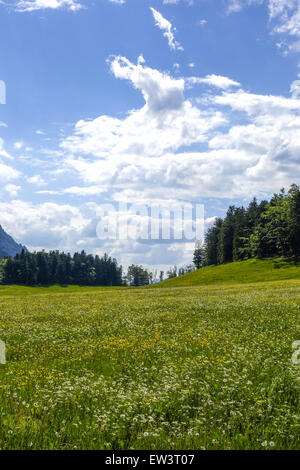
[145, 101]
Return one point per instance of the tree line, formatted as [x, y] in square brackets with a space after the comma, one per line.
[262, 230]
[41, 268]
[60, 268]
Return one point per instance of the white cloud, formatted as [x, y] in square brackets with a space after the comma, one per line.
[7, 173]
[168, 29]
[166, 122]
[160, 91]
[140, 157]
[46, 225]
[18, 145]
[217, 81]
[287, 12]
[12, 189]
[66, 227]
[3, 152]
[85, 191]
[33, 5]
[295, 89]
[255, 104]
[37, 180]
[284, 17]
[234, 6]
[49, 192]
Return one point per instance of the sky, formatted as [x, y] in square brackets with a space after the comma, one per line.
[161, 102]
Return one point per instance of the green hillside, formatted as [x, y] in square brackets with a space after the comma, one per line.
[241, 272]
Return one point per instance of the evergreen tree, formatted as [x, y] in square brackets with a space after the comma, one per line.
[212, 243]
[294, 221]
[199, 255]
[227, 236]
[43, 269]
[43, 276]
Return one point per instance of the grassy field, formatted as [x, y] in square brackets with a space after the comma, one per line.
[192, 367]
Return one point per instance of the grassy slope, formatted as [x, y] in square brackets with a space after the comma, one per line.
[241, 272]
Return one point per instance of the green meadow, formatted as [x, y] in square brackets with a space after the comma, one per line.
[197, 362]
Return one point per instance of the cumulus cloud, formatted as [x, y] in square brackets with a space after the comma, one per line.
[168, 29]
[50, 225]
[33, 5]
[166, 122]
[154, 153]
[271, 138]
[67, 227]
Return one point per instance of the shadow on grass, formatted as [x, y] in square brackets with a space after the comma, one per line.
[286, 263]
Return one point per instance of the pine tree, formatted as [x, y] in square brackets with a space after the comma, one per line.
[199, 255]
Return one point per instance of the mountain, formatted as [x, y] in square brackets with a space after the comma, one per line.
[8, 246]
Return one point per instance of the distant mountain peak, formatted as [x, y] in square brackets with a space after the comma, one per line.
[8, 246]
